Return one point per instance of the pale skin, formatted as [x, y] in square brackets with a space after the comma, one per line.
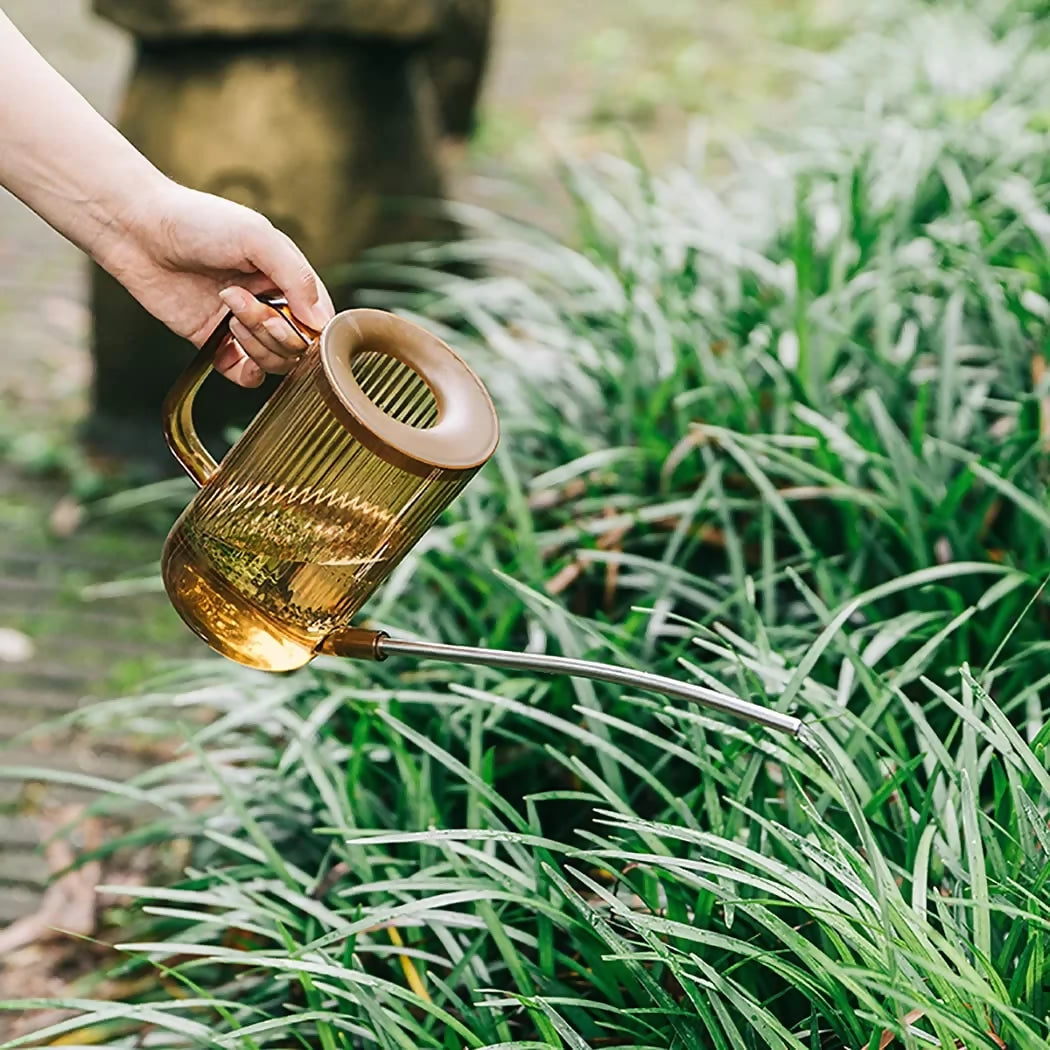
[188, 257]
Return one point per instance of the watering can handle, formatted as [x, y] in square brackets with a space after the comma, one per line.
[179, 431]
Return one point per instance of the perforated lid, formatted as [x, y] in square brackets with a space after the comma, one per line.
[465, 432]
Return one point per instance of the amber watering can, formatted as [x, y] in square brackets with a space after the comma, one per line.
[372, 434]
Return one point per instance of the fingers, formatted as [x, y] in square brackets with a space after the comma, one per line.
[262, 333]
[233, 363]
[263, 340]
[276, 255]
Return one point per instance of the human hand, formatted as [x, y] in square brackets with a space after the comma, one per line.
[188, 257]
[182, 254]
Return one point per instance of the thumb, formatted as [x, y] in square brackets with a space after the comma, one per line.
[276, 255]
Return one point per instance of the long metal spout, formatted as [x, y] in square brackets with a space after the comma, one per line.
[376, 645]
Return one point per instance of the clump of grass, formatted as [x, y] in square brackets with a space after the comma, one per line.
[836, 361]
[788, 435]
[364, 872]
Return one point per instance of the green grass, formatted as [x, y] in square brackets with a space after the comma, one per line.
[785, 434]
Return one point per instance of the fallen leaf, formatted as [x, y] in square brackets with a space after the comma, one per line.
[612, 541]
[909, 1019]
[995, 1037]
[990, 517]
[681, 451]
[549, 498]
[69, 904]
[340, 870]
[1038, 375]
[15, 647]
[66, 517]
[564, 578]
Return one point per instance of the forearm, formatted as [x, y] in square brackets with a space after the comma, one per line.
[59, 156]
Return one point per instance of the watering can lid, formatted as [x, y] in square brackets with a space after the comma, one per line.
[466, 431]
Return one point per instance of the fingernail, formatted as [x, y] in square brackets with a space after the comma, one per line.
[321, 312]
[252, 374]
[235, 298]
[317, 317]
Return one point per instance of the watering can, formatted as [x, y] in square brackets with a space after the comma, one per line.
[376, 429]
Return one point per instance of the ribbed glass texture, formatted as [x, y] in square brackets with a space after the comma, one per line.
[302, 522]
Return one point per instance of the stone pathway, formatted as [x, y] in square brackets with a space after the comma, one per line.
[73, 649]
[560, 72]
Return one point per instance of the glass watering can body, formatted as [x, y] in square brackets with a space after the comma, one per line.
[376, 429]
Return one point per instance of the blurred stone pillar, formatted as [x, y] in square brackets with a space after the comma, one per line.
[457, 58]
[314, 112]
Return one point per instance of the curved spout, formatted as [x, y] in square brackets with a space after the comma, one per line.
[377, 645]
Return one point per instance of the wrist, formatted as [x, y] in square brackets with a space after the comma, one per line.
[59, 156]
[126, 216]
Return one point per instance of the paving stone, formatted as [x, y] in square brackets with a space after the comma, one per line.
[22, 867]
[16, 901]
[19, 832]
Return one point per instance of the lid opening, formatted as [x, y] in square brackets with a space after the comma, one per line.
[394, 387]
[405, 394]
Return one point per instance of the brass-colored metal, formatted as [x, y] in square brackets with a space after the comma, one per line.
[356, 643]
[376, 429]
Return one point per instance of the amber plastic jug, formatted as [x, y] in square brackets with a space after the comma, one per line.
[366, 441]
[374, 432]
